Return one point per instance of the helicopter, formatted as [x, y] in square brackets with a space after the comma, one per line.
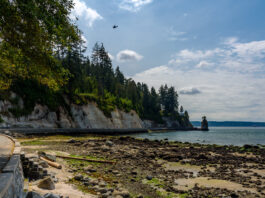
[115, 26]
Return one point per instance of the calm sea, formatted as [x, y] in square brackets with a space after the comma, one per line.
[216, 135]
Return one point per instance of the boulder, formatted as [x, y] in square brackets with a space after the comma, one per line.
[46, 183]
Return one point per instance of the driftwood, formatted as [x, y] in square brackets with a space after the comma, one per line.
[53, 164]
[88, 160]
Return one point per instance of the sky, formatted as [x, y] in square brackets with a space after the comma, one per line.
[212, 52]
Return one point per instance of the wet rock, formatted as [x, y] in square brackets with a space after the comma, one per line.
[233, 195]
[105, 148]
[41, 153]
[33, 195]
[149, 177]
[78, 177]
[46, 183]
[122, 193]
[102, 190]
[134, 173]
[102, 184]
[93, 182]
[51, 157]
[202, 157]
[115, 172]
[50, 195]
[71, 141]
[44, 164]
[109, 143]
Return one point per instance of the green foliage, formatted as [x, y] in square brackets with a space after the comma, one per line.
[1, 119]
[34, 93]
[4, 95]
[33, 33]
[169, 101]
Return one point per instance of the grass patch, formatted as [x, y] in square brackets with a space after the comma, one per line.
[33, 142]
[82, 163]
[155, 182]
[166, 194]
[184, 195]
[88, 157]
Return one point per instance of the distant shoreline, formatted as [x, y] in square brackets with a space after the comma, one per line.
[230, 124]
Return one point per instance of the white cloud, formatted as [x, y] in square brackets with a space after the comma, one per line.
[230, 40]
[225, 83]
[204, 64]
[81, 10]
[174, 35]
[253, 49]
[128, 55]
[133, 5]
[243, 57]
[223, 95]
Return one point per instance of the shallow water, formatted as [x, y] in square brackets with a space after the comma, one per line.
[216, 135]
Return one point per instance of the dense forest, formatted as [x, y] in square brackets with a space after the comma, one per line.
[42, 60]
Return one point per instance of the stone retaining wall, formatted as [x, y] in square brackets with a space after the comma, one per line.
[32, 169]
[11, 177]
[76, 131]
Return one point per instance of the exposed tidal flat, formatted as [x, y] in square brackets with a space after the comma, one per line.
[154, 168]
[237, 136]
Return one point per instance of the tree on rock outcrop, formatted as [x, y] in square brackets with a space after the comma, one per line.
[204, 124]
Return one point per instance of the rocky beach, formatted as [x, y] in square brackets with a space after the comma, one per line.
[130, 167]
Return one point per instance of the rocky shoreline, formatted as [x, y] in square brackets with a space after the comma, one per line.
[145, 168]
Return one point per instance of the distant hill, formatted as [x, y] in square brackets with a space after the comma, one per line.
[230, 124]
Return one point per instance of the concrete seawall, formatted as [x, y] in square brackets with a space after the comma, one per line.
[76, 131]
[11, 176]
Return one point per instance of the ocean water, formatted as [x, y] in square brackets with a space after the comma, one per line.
[237, 136]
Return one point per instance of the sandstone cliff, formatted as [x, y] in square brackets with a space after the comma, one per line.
[78, 116]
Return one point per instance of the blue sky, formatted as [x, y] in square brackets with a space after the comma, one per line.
[213, 52]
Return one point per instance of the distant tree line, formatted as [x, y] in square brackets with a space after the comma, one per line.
[95, 77]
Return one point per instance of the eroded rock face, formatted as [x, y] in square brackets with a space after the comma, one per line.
[90, 116]
[85, 116]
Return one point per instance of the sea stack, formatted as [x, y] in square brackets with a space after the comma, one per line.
[204, 124]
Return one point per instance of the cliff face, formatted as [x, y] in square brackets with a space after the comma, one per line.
[83, 116]
[168, 123]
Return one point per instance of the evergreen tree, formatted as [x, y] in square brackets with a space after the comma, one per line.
[119, 76]
[181, 109]
[186, 115]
